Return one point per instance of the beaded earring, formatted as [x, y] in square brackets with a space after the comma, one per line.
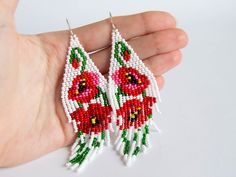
[133, 94]
[85, 103]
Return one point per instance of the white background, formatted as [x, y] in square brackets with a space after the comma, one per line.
[199, 99]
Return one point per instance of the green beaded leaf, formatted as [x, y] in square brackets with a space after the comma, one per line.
[144, 139]
[124, 48]
[144, 93]
[80, 104]
[79, 134]
[99, 92]
[83, 155]
[116, 55]
[104, 96]
[117, 98]
[124, 133]
[146, 129]
[118, 93]
[103, 135]
[150, 116]
[74, 56]
[136, 151]
[94, 143]
[135, 136]
[105, 99]
[127, 146]
[80, 157]
[81, 147]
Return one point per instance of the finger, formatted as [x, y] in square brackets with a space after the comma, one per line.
[159, 42]
[7, 10]
[160, 64]
[98, 35]
[146, 46]
[160, 82]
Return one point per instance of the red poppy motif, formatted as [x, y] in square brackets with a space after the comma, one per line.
[95, 119]
[84, 87]
[135, 113]
[130, 80]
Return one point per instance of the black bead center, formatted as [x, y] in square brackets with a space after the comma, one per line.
[82, 86]
[131, 78]
[134, 115]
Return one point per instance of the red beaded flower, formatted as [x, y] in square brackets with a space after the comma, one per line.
[131, 81]
[135, 113]
[95, 119]
[84, 87]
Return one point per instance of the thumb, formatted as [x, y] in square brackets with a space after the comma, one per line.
[7, 12]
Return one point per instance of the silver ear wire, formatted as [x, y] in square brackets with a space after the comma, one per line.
[112, 24]
[68, 24]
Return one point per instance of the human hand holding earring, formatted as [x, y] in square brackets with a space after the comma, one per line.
[32, 114]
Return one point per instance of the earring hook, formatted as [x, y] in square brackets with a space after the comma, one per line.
[68, 24]
[112, 24]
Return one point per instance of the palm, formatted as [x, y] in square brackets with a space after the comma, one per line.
[31, 68]
[30, 97]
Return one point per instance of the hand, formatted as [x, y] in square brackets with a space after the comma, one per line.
[32, 119]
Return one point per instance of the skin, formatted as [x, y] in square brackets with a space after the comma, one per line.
[32, 120]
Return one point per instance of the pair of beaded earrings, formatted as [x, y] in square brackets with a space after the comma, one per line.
[92, 104]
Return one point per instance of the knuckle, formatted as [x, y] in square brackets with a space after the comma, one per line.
[157, 42]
